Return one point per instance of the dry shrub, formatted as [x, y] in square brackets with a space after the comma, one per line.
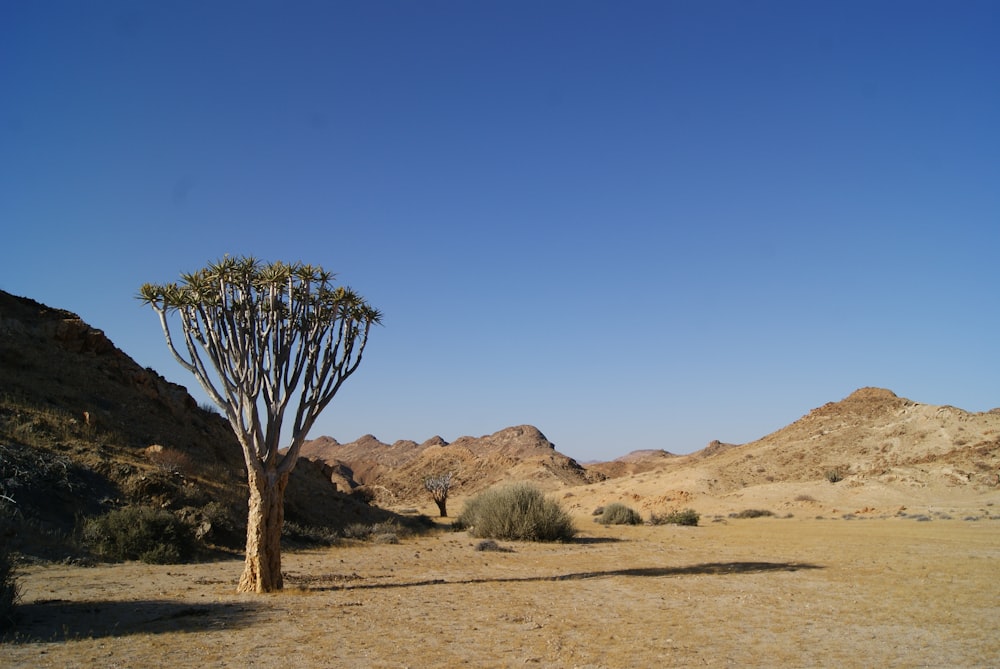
[172, 460]
[140, 533]
[308, 535]
[619, 514]
[388, 532]
[490, 546]
[519, 511]
[9, 590]
[752, 513]
[687, 517]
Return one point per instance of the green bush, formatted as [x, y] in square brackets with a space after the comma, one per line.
[619, 514]
[516, 512]
[9, 591]
[685, 517]
[140, 533]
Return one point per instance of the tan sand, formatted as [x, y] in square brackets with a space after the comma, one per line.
[762, 592]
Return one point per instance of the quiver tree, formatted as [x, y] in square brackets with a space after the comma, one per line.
[439, 487]
[261, 337]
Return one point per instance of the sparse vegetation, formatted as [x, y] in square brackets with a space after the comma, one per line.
[9, 591]
[140, 533]
[385, 533]
[752, 513]
[172, 461]
[834, 476]
[516, 512]
[619, 514]
[687, 517]
[488, 545]
[308, 535]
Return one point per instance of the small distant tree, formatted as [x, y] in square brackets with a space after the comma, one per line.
[260, 337]
[439, 487]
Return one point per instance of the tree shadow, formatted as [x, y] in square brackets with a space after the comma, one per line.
[595, 540]
[705, 568]
[62, 620]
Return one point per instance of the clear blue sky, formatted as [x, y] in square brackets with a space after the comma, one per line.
[630, 224]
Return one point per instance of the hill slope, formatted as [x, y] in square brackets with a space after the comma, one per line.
[889, 451]
[84, 429]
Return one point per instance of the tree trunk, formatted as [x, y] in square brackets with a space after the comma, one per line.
[262, 569]
[442, 506]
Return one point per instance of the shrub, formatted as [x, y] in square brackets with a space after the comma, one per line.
[140, 533]
[308, 535]
[833, 476]
[491, 546]
[752, 513]
[680, 517]
[9, 590]
[619, 514]
[516, 512]
[172, 461]
[388, 532]
[359, 531]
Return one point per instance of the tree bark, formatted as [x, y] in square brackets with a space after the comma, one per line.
[262, 569]
[442, 506]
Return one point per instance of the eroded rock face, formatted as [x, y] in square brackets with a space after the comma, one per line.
[75, 335]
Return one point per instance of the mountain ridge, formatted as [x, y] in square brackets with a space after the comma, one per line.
[69, 392]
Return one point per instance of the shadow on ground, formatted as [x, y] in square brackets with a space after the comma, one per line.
[594, 540]
[62, 620]
[706, 568]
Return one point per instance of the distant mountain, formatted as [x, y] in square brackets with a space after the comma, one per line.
[84, 429]
[873, 434]
[888, 453]
[395, 473]
[870, 435]
[635, 462]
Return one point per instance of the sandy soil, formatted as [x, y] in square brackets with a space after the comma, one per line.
[761, 592]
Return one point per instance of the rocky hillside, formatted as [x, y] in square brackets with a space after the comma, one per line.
[395, 473]
[873, 434]
[879, 449]
[84, 429]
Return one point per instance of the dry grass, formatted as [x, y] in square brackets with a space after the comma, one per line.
[768, 593]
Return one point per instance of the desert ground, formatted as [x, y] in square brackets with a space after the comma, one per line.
[792, 592]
